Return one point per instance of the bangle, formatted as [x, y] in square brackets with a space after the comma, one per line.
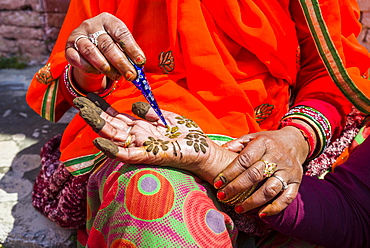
[317, 121]
[75, 92]
[305, 132]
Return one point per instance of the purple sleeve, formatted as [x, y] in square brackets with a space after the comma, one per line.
[334, 212]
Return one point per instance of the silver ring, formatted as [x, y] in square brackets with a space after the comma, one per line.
[79, 37]
[94, 37]
[285, 185]
[129, 129]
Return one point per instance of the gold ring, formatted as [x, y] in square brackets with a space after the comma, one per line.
[128, 141]
[270, 168]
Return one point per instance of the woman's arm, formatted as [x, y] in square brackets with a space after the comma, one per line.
[334, 212]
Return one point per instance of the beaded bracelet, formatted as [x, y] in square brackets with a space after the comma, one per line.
[305, 132]
[318, 122]
[75, 92]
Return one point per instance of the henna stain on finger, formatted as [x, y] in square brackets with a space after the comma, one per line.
[140, 109]
[92, 118]
[106, 146]
[98, 101]
[83, 102]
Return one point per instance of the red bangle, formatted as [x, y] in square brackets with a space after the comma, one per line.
[75, 92]
[305, 132]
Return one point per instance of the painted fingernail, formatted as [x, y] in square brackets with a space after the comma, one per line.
[263, 215]
[221, 178]
[140, 60]
[218, 184]
[129, 76]
[221, 195]
[239, 209]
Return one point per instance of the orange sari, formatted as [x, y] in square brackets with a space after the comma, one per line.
[236, 65]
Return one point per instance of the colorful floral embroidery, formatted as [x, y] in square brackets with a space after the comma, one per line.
[166, 62]
[44, 75]
[263, 111]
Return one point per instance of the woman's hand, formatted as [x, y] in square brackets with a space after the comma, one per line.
[182, 144]
[286, 149]
[108, 56]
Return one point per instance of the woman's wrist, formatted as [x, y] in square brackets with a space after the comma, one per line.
[98, 84]
[299, 141]
[88, 82]
[313, 125]
[306, 131]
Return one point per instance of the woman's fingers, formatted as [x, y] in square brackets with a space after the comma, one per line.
[239, 144]
[269, 190]
[132, 155]
[249, 156]
[281, 202]
[105, 125]
[121, 34]
[101, 45]
[79, 62]
[145, 111]
[91, 53]
[107, 108]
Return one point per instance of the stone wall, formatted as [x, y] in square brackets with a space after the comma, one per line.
[364, 37]
[29, 28]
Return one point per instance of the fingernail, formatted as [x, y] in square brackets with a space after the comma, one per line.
[221, 195]
[140, 60]
[263, 215]
[116, 77]
[239, 209]
[129, 76]
[218, 184]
